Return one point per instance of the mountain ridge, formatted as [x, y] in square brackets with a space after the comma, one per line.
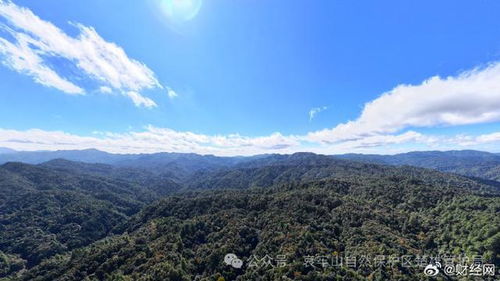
[181, 166]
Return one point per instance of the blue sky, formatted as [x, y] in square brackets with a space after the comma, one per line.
[244, 77]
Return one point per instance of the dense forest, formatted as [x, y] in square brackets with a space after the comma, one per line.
[287, 217]
[46, 212]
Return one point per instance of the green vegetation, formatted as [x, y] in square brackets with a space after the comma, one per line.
[85, 224]
[45, 212]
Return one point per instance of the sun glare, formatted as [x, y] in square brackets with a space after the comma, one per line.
[180, 10]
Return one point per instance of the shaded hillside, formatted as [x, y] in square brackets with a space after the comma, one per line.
[180, 166]
[161, 184]
[304, 167]
[465, 162]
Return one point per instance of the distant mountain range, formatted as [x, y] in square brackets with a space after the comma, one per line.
[180, 166]
[4, 150]
[470, 163]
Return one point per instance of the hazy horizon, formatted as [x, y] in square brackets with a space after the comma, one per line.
[173, 152]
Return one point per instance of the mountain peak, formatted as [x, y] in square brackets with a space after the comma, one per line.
[6, 150]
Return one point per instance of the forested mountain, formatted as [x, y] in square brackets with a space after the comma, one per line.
[37, 157]
[181, 166]
[465, 162]
[186, 237]
[303, 167]
[174, 165]
[295, 205]
[46, 211]
[161, 184]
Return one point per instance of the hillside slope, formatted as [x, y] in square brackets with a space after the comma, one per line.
[46, 211]
[464, 162]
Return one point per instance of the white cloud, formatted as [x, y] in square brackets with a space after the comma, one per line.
[314, 111]
[469, 98]
[34, 41]
[153, 139]
[465, 140]
[488, 138]
[21, 58]
[105, 90]
[171, 93]
[141, 100]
